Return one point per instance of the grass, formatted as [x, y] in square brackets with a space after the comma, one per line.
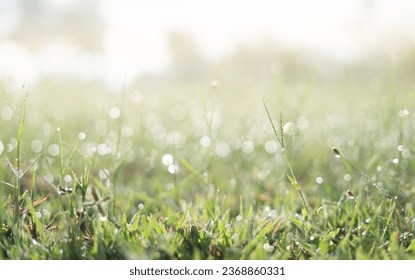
[131, 178]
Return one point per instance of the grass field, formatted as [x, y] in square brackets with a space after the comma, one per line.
[198, 172]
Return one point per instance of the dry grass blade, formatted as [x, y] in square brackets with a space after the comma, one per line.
[36, 203]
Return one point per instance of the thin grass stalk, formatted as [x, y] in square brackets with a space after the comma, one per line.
[280, 139]
[18, 172]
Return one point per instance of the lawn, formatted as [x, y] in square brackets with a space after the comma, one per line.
[204, 171]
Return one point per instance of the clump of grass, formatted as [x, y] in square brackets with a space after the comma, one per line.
[280, 138]
[227, 208]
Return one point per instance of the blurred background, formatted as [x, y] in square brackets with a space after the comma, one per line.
[117, 43]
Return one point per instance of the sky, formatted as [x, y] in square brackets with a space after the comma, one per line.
[136, 33]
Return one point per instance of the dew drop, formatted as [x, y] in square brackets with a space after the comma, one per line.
[103, 149]
[247, 147]
[205, 141]
[173, 169]
[53, 150]
[36, 146]
[271, 146]
[290, 128]
[167, 159]
[82, 135]
[347, 177]
[114, 113]
[67, 178]
[223, 149]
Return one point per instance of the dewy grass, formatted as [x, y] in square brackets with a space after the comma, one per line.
[18, 172]
[280, 139]
[230, 207]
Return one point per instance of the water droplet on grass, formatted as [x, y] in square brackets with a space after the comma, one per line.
[53, 150]
[114, 113]
[271, 146]
[223, 149]
[82, 135]
[290, 128]
[36, 146]
[269, 248]
[247, 147]
[347, 177]
[103, 149]
[403, 113]
[67, 178]
[205, 141]
[167, 159]
[336, 152]
[172, 169]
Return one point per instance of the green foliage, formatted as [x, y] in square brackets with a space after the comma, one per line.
[198, 177]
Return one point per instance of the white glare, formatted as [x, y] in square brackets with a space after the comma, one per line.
[1, 147]
[167, 159]
[67, 178]
[290, 128]
[103, 149]
[205, 141]
[319, 180]
[82, 136]
[36, 146]
[247, 147]
[347, 177]
[114, 113]
[53, 150]
[271, 146]
[223, 149]
[172, 169]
